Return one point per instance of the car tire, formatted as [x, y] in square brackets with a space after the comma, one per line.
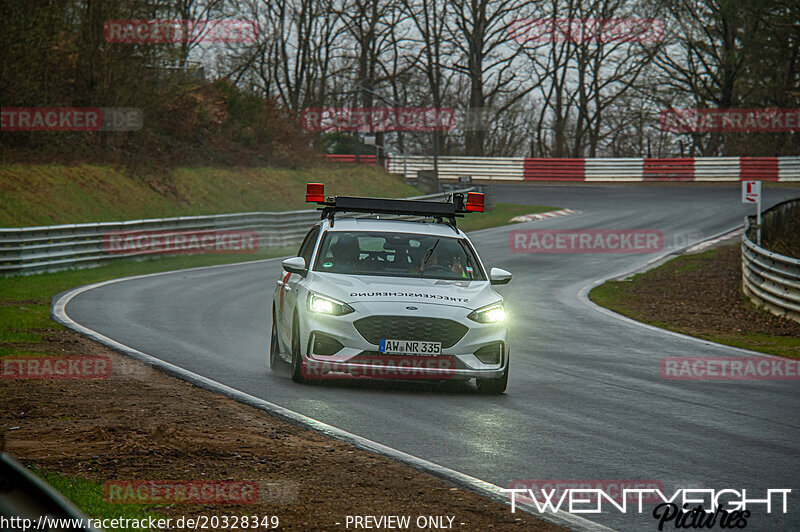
[274, 345]
[297, 359]
[494, 386]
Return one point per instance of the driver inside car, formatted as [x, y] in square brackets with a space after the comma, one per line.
[441, 256]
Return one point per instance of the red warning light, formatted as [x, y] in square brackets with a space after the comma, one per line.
[315, 192]
[474, 202]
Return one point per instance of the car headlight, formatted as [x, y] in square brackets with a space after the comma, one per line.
[327, 305]
[494, 313]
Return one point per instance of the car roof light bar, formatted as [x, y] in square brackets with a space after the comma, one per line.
[475, 202]
[438, 210]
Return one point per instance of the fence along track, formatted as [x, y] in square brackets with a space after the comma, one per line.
[50, 248]
[769, 279]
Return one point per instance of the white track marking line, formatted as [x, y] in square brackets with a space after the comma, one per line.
[543, 215]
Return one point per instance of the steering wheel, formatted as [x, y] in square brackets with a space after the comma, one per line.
[436, 268]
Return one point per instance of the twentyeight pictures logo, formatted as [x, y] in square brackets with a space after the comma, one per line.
[180, 31]
[543, 489]
[620, 498]
[586, 241]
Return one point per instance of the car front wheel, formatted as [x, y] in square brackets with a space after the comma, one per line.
[274, 347]
[297, 358]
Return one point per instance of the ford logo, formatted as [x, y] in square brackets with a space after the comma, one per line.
[411, 308]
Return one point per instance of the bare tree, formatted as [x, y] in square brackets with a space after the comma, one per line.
[433, 50]
[298, 54]
[478, 31]
[302, 48]
[704, 68]
[201, 17]
[587, 54]
[371, 26]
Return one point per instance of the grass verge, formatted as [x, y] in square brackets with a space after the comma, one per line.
[700, 295]
[57, 194]
[87, 495]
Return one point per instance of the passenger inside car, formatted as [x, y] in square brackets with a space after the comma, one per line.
[345, 253]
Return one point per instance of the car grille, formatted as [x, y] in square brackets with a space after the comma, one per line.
[376, 328]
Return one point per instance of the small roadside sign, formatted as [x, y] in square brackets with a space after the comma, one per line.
[751, 192]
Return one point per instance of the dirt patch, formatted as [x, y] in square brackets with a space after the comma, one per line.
[140, 424]
[700, 295]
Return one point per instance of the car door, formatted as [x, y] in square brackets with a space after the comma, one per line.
[289, 292]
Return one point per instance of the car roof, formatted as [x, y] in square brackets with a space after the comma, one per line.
[393, 226]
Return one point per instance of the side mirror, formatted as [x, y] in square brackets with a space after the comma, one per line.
[295, 265]
[499, 276]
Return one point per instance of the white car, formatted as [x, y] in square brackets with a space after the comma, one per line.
[392, 299]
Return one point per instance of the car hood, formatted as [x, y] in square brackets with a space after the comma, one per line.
[364, 289]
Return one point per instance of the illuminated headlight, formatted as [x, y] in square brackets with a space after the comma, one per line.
[327, 305]
[495, 313]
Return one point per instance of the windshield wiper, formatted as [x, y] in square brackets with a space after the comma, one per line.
[427, 257]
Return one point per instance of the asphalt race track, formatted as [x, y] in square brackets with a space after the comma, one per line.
[585, 397]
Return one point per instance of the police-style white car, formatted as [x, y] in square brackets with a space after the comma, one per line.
[386, 298]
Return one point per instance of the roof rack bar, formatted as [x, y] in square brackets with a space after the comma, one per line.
[432, 209]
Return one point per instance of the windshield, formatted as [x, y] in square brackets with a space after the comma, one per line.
[397, 255]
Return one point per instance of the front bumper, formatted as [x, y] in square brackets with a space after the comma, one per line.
[359, 357]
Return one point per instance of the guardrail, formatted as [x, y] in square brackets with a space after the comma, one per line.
[769, 279]
[594, 169]
[28, 498]
[57, 247]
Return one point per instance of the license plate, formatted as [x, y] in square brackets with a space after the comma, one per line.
[410, 347]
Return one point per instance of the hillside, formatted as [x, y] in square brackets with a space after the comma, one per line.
[33, 194]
